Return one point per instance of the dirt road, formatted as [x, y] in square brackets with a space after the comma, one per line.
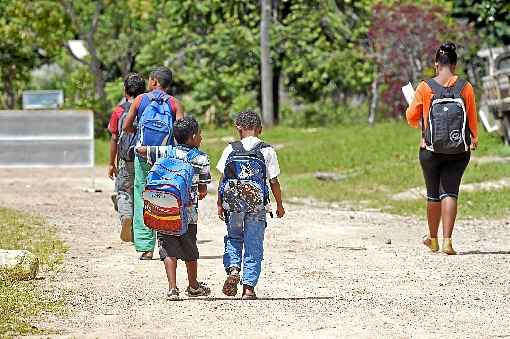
[326, 273]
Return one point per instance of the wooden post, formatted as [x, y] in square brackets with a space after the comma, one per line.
[266, 64]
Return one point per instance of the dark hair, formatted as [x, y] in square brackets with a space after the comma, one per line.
[134, 85]
[248, 120]
[163, 75]
[185, 128]
[446, 54]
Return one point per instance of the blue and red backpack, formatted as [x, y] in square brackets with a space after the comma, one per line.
[167, 194]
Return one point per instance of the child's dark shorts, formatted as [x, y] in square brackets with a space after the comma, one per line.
[183, 247]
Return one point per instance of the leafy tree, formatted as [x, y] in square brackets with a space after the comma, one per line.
[213, 50]
[403, 41]
[491, 18]
[318, 49]
[30, 33]
[113, 32]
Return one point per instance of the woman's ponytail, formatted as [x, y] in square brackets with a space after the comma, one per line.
[446, 54]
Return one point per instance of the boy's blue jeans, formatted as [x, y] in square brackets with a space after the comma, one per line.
[245, 229]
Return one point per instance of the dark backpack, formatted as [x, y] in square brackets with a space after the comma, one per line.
[447, 131]
[156, 121]
[244, 187]
[127, 141]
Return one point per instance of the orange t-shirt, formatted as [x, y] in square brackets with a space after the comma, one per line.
[420, 106]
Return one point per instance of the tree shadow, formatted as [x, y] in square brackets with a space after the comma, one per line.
[483, 252]
[258, 299]
[211, 257]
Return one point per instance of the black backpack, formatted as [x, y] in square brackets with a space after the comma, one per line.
[127, 141]
[244, 186]
[447, 131]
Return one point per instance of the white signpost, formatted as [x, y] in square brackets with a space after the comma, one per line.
[46, 138]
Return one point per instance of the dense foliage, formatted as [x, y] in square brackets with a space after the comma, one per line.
[403, 42]
[326, 55]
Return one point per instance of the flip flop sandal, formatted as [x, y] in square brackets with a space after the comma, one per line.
[428, 242]
[145, 257]
[230, 285]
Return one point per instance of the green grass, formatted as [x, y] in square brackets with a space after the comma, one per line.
[380, 161]
[102, 151]
[21, 301]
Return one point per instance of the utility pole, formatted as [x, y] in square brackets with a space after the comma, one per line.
[266, 64]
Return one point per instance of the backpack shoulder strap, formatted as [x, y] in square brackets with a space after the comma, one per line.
[237, 146]
[150, 96]
[126, 106]
[437, 89]
[459, 86]
[173, 105]
[192, 154]
[260, 146]
[165, 98]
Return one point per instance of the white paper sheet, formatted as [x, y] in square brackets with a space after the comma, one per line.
[408, 91]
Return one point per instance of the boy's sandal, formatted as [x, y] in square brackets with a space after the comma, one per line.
[230, 285]
[249, 296]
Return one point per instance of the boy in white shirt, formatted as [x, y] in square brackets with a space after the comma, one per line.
[246, 166]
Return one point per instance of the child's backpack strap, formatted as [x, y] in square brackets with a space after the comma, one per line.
[260, 146]
[192, 154]
[237, 146]
[150, 96]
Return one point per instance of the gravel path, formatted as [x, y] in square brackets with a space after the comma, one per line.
[326, 273]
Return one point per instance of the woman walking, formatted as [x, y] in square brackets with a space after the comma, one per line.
[444, 107]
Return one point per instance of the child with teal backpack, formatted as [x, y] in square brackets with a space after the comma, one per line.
[168, 206]
[155, 112]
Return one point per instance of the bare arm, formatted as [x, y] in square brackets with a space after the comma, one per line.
[221, 212]
[179, 110]
[277, 193]
[202, 191]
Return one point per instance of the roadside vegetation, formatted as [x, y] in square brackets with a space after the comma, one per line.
[377, 163]
[22, 301]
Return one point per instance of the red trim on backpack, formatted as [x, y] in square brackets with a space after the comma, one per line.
[173, 105]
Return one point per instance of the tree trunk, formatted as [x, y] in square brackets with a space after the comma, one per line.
[265, 64]
[10, 92]
[276, 94]
[374, 97]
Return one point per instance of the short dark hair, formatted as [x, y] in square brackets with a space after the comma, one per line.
[248, 120]
[184, 129]
[163, 75]
[446, 54]
[134, 85]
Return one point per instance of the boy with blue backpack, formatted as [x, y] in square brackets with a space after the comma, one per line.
[155, 113]
[243, 197]
[175, 184]
[121, 165]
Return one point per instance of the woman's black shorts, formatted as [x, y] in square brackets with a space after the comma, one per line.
[443, 173]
